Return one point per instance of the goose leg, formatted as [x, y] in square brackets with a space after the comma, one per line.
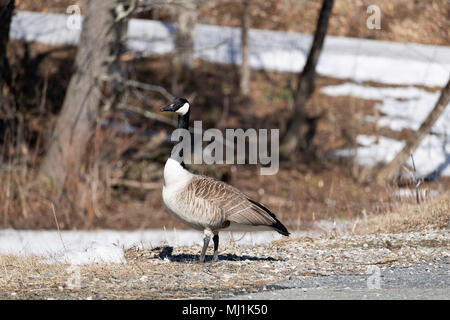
[205, 246]
[216, 247]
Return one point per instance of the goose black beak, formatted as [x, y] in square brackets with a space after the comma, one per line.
[169, 107]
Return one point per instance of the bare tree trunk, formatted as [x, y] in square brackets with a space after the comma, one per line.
[245, 70]
[183, 60]
[305, 84]
[388, 171]
[97, 55]
[6, 11]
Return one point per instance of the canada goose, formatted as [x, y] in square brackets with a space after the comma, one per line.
[207, 204]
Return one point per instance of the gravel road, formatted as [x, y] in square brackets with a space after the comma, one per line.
[418, 281]
[412, 265]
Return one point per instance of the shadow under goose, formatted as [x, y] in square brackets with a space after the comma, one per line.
[167, 253]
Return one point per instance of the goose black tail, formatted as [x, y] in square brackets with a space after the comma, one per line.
[278, 226]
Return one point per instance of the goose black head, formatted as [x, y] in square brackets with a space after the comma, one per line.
[178, 105]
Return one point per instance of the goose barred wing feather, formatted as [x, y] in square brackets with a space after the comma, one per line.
[234, 205]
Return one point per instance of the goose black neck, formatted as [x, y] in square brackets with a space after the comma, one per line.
[177, 151]
[183, 121]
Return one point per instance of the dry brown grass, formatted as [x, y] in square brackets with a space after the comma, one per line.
[432, 214]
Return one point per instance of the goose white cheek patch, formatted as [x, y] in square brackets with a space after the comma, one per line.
[184, 109]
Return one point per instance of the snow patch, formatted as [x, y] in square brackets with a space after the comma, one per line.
[402, 108]
[343, 58]
[94, 253]
[431, 158]
[107, 246]
[411, 193]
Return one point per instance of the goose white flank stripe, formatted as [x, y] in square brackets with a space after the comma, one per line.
[207, 204]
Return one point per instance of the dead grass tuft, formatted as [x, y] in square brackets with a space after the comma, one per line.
[410, 218]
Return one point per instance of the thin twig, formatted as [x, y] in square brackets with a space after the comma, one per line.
[8, 194]
[150, 115]
[150, 87]
[140, 85]
[23, 202]
[57, 226]
[416, 182]
[122, 13]
[135, 184]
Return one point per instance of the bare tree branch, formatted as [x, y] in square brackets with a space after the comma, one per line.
[388, 171]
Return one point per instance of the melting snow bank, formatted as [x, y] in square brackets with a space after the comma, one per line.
[343, 58]
[84, 247]
[93, 253]
[401, 108]
[431, 158]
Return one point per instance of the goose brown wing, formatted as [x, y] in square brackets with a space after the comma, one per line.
[235, 205]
